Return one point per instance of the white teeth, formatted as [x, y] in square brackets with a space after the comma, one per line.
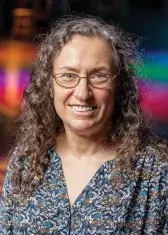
[82, 108]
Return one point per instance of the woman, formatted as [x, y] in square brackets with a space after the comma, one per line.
[85, 161]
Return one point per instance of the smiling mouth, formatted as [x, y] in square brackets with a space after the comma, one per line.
[79, 108]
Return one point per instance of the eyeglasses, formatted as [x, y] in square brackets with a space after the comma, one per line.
[71, 80]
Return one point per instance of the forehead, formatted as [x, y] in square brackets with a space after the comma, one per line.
[83, 51]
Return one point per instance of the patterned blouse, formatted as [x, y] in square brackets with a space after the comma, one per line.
[137, 206]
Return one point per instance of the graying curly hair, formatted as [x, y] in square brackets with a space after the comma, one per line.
[39, 122]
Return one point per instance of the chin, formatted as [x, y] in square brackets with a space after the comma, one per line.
[84, 127]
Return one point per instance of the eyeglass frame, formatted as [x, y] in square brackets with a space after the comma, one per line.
[54, 76]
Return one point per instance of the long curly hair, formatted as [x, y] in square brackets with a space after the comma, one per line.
[39, 122]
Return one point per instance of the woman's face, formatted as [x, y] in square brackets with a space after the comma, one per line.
[84, 109]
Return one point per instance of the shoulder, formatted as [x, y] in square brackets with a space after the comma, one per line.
[15, 164]
[154, 158]
[157, 158]
[152, 167]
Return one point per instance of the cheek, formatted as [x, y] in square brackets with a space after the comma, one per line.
[61, 96]
[105, 98]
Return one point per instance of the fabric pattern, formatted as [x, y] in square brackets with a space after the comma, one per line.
[137, 206]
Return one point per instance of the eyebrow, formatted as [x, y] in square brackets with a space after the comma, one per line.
[69, 68]
[93, 70]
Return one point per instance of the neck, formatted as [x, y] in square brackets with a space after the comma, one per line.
[79, 146]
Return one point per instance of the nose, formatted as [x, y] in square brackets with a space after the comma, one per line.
[82, 91]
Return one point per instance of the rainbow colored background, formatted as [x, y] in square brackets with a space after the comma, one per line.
[15, 58]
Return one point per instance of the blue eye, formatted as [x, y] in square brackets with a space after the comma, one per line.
[99, 76]
[68, 76]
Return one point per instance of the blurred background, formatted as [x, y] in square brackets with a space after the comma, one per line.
[22, 20]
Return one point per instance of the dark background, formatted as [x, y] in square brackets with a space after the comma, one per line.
[146, 19]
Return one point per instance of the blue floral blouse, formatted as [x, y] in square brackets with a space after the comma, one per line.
[137, 206]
